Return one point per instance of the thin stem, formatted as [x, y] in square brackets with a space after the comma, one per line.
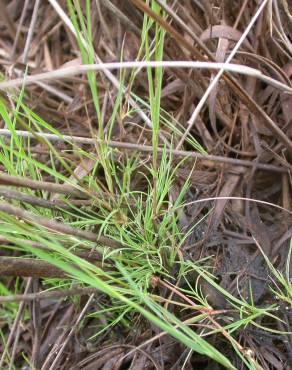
[85, 68]
[148, 149]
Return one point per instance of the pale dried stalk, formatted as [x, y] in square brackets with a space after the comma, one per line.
[105, 67]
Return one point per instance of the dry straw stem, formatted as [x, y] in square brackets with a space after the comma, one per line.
[51, 187]
[58, 352]
[13, 266]
[263, 202]
[147, 149]
[121, 16]
[30, 31]
[56, 226]
[90, 255]
[47, 295]
[15, 324]
[81, 69]
[36, 201]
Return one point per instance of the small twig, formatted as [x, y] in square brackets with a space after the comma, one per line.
[40, 185]
[13, 266]
[56, 92]
[236, 198]
[147, 149]
[59, 227]
[68, 337]
[30, 31]
[14, 348]
[121, 17]
[98, 198]
[133, 350]
[47, 295]
[204, 310]
[18, 35]
[15, 325]
[90, 255]
[36, 325]
[31, 199]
